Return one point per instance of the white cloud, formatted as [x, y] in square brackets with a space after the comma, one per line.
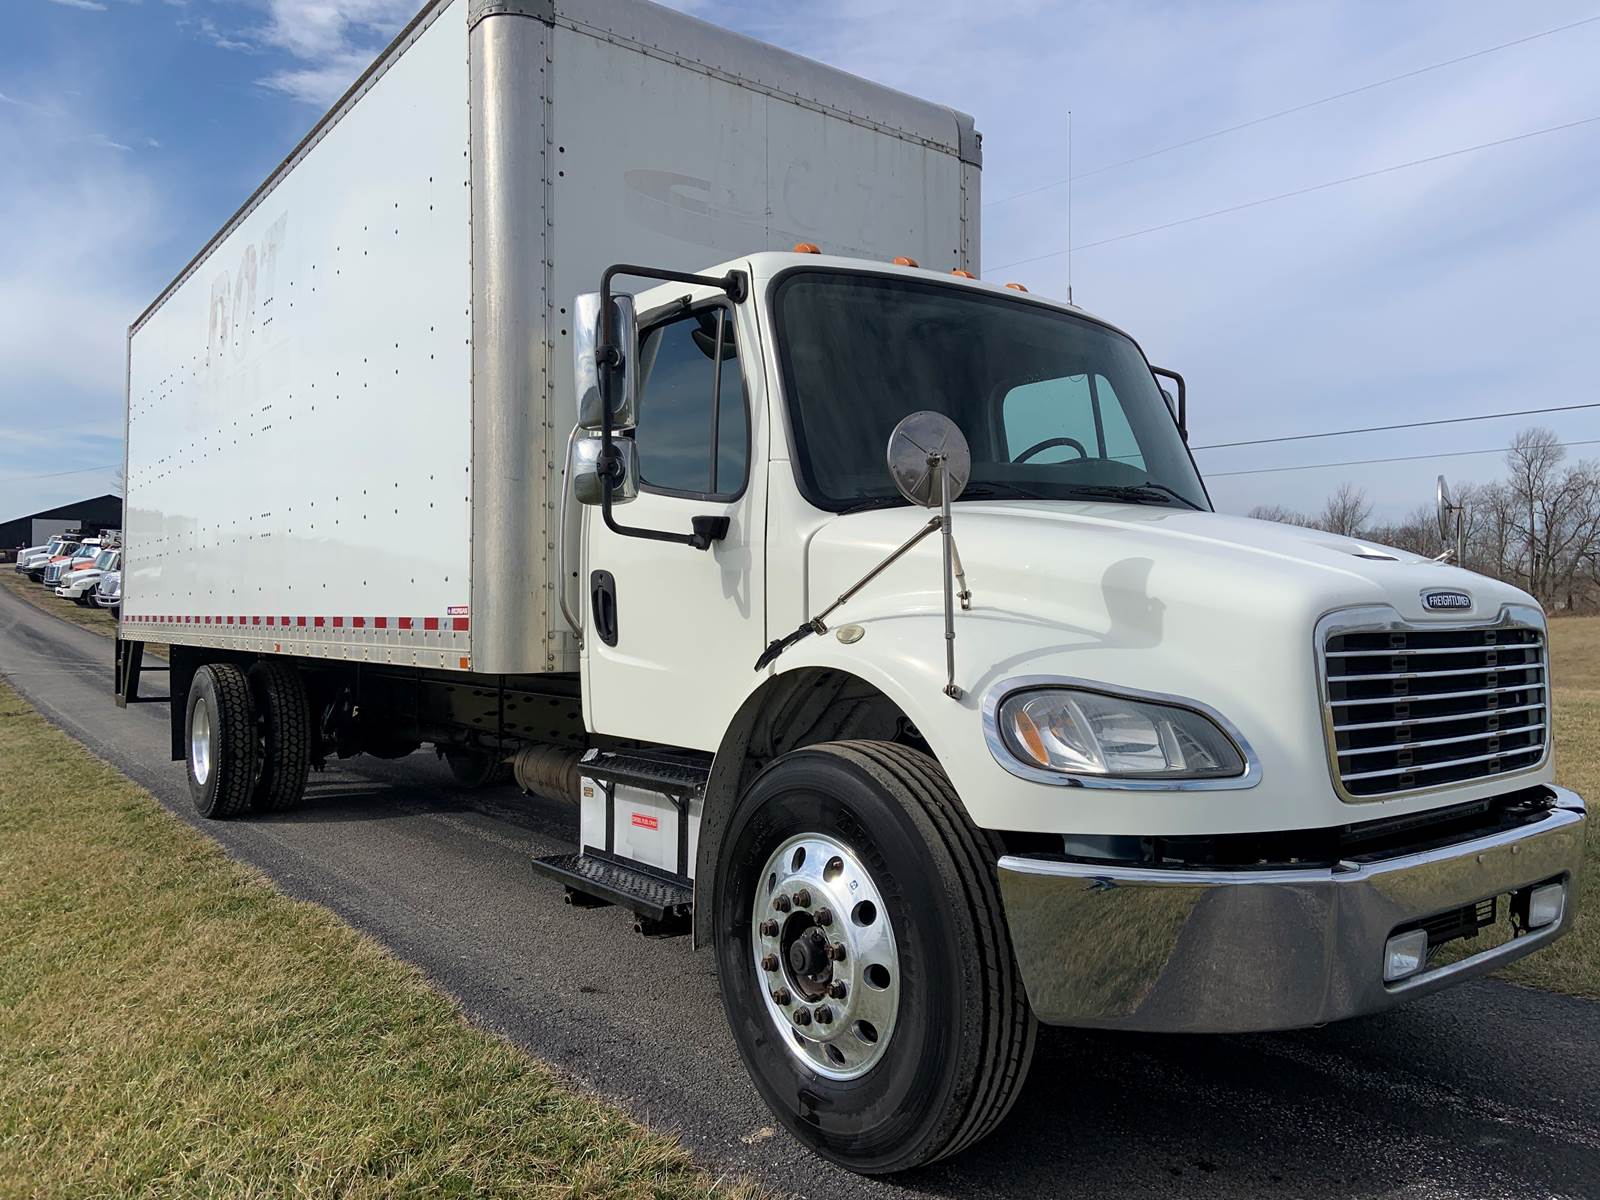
[87, 5]
[333, 41]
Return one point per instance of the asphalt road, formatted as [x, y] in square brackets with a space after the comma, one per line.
[1485, 1090]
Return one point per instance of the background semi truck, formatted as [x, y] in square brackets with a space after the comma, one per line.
[399, 475]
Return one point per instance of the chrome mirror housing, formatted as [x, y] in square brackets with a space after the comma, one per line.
[584, 470]
[623, 380]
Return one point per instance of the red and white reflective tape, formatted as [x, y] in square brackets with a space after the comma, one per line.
[341, 624]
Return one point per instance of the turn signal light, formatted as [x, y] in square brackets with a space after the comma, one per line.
[902, 261]
[806, 248]
[1016, 287]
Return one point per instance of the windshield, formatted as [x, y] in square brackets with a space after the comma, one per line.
[105, 558]
[1054, 406]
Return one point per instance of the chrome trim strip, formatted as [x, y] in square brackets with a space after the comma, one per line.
[1416, 768]
[1494, 691]
[1391, 653]
[1449, 741]
[1560, 817]
[1440, 720]
[996, 694]
[1382, 618]
[1539, 666]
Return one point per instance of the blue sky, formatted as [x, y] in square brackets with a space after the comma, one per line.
[130, 129]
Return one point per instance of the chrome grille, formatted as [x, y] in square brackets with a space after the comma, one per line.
[1413, 707]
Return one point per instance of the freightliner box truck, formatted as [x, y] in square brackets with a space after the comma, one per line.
[872, 615]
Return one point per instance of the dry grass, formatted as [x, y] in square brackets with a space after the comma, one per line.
[98, 619]
[172, 1025]
[1573, 964]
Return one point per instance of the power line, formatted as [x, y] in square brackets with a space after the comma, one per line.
[57, 474]
[1303, 437]
[1316, 187]
[1284, 112]
[1365, 462]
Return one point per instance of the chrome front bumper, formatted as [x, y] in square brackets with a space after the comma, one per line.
[1231, 951]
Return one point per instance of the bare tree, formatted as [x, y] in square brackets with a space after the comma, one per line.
[1280, 514]
[1347, 511]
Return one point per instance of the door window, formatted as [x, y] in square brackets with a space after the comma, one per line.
[693, 436]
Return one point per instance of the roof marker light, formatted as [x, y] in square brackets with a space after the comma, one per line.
[1016, 287]
[900, 260]
[806, 248]
[963, 274]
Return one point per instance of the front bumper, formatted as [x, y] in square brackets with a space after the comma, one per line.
[1231, 951]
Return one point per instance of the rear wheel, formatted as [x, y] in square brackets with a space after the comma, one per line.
[283, 730]
[474, 768]
[221, 737]
[863, 958]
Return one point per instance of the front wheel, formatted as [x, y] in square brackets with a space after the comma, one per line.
[863, 957]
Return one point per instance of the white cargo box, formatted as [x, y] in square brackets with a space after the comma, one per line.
[346, 415]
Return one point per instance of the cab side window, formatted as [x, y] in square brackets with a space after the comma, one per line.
[693, 436]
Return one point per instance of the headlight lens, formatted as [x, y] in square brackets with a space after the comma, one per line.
[1095, 733]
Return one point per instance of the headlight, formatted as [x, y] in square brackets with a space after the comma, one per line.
[1080, 732]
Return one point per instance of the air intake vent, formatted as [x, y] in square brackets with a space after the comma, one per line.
[1410, 708]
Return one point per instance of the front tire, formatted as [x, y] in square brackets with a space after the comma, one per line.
[221, 736]
[924, 1048]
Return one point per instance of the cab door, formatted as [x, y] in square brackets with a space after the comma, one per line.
[671, 633]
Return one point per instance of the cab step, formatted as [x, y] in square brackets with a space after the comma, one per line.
[679, 776]
[663, 903]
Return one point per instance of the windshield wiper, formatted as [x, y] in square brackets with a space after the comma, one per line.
[1161, 487]
[1138, 493]
[867, 502]
[989, 490]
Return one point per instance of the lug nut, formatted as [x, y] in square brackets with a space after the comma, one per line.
[769, 962]
[824, 1015]
[823, 916]
[781, 997]
[838, 989]
[802, 898]
[780, 902]
[836, 951]
[802, 1016]
[769, 929]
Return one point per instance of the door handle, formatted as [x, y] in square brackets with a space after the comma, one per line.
[603, 601]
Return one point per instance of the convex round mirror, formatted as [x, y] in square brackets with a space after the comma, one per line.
[916, 448]
[1447, 511]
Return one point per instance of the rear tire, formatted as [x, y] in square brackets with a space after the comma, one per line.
[284, 733]
[476, 768]
[957, 1036]
[221, 735]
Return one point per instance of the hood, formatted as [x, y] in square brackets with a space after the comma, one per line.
[1094, 564]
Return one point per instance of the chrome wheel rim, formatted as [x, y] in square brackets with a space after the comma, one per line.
[825, 956]
[200, 743]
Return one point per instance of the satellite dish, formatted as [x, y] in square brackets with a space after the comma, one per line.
[918, 447]
[1446, 510]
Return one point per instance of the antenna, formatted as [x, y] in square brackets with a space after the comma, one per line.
[1069, 206]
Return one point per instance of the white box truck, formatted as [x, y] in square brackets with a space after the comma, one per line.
[1095, 755]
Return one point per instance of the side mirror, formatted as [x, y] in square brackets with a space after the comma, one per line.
[623, 381]
[584, 470]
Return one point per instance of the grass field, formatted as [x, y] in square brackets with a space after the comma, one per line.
[1573, 964]
[99, 619]
[171, 1025]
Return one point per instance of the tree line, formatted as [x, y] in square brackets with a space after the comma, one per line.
[1539, 527]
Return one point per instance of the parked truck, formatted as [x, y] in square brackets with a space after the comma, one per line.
[873, 615]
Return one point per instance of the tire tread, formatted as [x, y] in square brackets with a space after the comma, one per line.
[1008, 1026]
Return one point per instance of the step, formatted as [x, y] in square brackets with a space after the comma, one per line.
[663, 902]
[677, 776]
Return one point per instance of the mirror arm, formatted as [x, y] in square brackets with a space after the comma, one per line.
[607, 354]
[1183, 398]
[817, 624]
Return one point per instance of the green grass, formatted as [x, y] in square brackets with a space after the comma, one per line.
[171, 1025]
[1573, 963]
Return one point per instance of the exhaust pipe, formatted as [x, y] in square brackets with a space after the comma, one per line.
[547, 771]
